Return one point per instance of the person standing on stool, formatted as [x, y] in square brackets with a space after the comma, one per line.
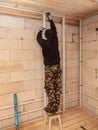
[48, 40]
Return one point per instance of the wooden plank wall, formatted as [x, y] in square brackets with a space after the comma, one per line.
[90, 64]
[21, 68]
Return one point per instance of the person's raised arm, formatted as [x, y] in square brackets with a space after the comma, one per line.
[52, 25]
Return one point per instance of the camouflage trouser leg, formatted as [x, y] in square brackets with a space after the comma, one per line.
[53, 86]
[58, 87]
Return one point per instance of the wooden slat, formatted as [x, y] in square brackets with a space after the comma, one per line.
[19, 13]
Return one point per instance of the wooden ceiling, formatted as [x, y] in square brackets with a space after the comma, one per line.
[72, 9]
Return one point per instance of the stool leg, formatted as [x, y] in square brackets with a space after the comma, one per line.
[49, 123]
[45, 121]
[55, 120]
[60, 123]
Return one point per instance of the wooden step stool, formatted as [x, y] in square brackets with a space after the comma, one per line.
[55, 116]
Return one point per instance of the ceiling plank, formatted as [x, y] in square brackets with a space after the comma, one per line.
[65, 4]
[82, 13]
[40, 6]
[60, 12]
[18, 7]
[74, 10]
[63, 7]
[87, 2]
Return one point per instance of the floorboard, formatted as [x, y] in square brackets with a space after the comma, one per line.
[72, 119]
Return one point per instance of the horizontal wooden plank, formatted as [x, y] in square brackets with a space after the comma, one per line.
[34, 15]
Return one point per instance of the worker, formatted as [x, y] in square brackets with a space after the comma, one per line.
[48, 40]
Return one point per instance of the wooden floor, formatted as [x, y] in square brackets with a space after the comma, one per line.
[72, 119]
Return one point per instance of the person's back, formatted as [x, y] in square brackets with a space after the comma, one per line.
[49, 45]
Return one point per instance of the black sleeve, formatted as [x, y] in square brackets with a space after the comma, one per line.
[43, 43]
[53, 27]
[39, 37]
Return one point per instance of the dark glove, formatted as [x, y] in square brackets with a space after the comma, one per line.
[48, 14]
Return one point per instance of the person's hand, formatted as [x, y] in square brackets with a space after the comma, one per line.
[48, 16]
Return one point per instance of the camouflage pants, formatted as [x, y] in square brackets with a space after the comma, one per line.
[53, 86]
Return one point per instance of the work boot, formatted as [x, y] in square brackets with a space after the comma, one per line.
[47, 110]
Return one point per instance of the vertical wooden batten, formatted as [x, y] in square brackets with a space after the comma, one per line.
[80, 64]
[45, 97]
[63, 71]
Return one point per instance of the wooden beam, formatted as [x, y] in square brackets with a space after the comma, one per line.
[71, 21]
[35, 16]
[19, 13]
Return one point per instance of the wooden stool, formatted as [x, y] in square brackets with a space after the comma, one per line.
[50, 117]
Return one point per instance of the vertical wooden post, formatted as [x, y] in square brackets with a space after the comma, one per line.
[45, 97]
[63, 60]
[80, 64]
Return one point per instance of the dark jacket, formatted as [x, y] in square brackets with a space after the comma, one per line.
[49, 47]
